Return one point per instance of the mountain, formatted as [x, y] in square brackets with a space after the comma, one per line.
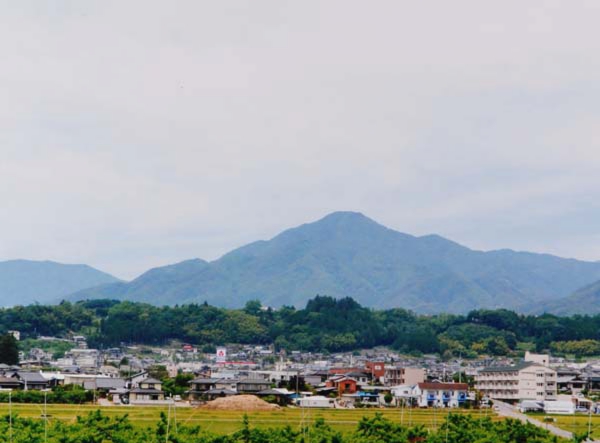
[583, 301]
[24, 282]
[348, 254]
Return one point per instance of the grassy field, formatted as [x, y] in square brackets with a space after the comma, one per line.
[575, 423]
[224, 422]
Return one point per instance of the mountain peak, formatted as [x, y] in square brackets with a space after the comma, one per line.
[346, 215]
[345, 254]
[341, 219]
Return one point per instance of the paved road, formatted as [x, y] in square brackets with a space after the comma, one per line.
[506, 410]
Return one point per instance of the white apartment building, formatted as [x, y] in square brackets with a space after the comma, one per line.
[524, 381]
[434, 394]
[440, 395]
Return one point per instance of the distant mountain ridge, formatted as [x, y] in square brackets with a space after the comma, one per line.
[24, 282]
[348, 254]
[584, 301]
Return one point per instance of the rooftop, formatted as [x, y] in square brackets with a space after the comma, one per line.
[510, 368]
[444, 386]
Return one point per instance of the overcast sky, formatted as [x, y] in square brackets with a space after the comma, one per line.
[135, 134]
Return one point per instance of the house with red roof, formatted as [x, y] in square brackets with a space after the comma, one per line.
[343, 384]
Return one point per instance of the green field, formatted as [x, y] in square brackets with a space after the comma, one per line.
[224, 422]
[575, 423]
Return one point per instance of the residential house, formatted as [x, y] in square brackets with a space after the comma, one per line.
[11, 383]
[343, 384]
[447, 395]
[376, 369]
[104, 385]
[227, 383]
[199, 386]
[108, 371]
[135, 379]
[32, 380]
[569, 381]
[396, 376]
[315, 378]
[217, 393]
[148, 390]
[359, 376]
[592, 380]
[252, 385]
[282, 396]
[85, 358]
[403, 393]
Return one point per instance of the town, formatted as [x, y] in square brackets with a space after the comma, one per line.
[138, 375]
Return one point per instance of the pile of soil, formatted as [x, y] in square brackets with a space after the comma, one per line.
[240, 403]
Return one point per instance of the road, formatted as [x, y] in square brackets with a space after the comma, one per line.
[506, 410]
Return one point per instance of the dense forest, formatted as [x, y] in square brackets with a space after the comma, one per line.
[97, 427]
[325, 324]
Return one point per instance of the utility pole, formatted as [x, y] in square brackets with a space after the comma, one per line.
[45, 417]
[174, 416]
[10, 438]
[589, 435]
[401, 412]
[168, 422]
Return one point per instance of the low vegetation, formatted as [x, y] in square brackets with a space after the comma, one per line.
[96, 426]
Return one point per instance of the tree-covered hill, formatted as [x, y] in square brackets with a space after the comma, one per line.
[325, 324]
[348, 254]
[25, 281]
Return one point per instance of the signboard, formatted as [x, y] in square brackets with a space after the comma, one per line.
[221, 355]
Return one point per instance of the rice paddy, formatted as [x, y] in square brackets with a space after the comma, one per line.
[225, 422]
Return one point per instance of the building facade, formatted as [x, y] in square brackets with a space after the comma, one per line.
[525, 381]
[444, 395]
[396, 376]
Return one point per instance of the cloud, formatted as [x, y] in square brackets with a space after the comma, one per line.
[135, 134]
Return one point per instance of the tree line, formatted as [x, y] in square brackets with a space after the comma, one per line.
[325, 324]
[98, 427]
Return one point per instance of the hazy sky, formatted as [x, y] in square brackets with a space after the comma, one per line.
[139, 133]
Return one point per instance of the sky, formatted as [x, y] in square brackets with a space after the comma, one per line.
[135, 134]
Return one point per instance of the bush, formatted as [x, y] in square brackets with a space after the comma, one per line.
[71, 394]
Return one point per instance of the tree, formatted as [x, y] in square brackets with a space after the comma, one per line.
[158, 371]
[253, 307]
[388, 398]
[9, 350]
[293, 383]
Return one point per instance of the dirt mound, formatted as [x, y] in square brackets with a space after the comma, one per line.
[240, 403]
